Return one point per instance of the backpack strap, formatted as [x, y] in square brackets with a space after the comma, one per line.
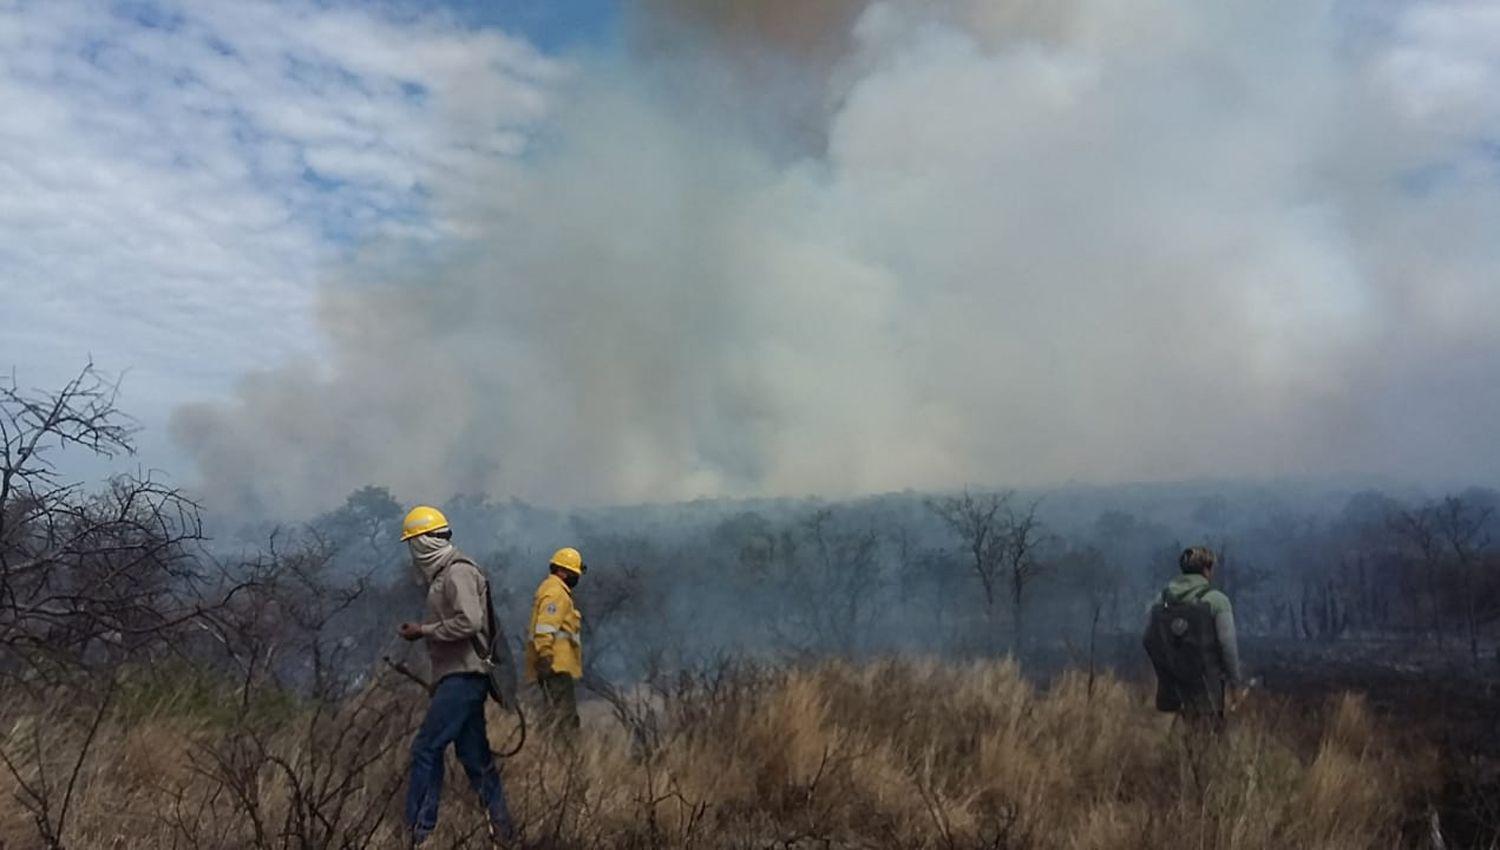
[486, 653]
[480, 649]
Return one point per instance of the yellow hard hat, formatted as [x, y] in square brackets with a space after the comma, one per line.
[569, 559]
[422, 520]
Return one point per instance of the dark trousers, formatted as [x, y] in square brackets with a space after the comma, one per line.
[560, 698]
[455, 716]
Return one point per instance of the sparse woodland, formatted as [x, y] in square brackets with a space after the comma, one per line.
[774, 675]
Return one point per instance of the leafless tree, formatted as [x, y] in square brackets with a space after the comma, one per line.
[279, 631]
[980, 522]
[1021, 543]
[83, 572]
[1417, 529]
[613, 595]
[1090, 572]
[846, 573]
[339, 764]
[828, 573]
[90, 582]
[1464, 531]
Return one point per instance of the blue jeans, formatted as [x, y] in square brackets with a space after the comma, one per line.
[456, 716]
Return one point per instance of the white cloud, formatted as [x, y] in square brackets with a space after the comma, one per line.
[173, 190]
[1446, 66]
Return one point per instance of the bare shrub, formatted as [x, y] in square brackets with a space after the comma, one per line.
[889, 754]
[325, 780]
[89, 583]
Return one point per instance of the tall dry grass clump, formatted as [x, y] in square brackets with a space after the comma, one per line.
[891, 754]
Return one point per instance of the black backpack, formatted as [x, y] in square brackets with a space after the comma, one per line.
[499, 661]
[1184, 648]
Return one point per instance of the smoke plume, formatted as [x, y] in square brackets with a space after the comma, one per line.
[905, 244]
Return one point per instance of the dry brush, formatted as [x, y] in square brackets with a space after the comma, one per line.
[889, 754]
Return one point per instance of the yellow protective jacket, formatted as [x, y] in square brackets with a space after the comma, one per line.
[556, 632]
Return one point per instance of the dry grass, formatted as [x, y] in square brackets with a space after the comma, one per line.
[896, 754]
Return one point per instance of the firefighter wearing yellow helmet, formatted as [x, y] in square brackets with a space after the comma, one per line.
[554, 649]
[458, 629]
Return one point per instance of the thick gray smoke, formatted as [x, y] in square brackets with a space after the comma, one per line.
[1012, 243]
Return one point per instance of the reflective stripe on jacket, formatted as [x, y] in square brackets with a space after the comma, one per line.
[556, 630]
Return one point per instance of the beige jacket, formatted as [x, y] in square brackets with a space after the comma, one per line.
[455, 611]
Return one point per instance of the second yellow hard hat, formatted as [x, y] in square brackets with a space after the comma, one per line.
[569, 559]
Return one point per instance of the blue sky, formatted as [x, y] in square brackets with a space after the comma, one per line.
[552, 25]
[177, 178]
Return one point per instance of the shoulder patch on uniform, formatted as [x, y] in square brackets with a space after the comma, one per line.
[551, 607]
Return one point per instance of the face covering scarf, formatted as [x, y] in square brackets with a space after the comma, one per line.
[429, 555]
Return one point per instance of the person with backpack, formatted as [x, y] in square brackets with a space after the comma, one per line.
[1192, 645]
[460, 632]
